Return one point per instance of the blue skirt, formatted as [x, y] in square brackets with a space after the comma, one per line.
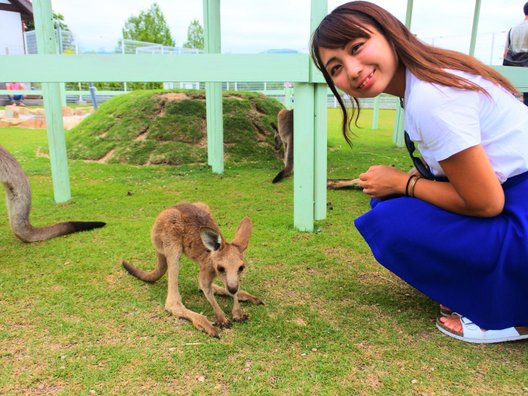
[476, 266]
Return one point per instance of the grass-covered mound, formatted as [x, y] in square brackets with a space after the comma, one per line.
[169, 127]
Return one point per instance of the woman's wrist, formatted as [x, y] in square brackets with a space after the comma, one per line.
[411, 184]
[409, 181]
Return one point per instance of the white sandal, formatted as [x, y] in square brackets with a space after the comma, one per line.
[472, 333]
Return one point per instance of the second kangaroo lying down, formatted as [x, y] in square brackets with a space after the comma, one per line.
[189, 229]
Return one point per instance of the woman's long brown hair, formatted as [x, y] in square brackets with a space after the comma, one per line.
[352, 20]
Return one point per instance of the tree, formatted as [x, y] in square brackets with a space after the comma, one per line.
[149, 26]
[195, 36]
[30, 25]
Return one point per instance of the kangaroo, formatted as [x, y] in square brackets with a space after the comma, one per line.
[189, 229]
[284, 136]
[18, 195]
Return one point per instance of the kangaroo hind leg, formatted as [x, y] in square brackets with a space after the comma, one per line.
[174, 304]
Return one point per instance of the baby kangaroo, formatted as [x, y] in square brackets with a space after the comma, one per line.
[189, 229]
[18, 194]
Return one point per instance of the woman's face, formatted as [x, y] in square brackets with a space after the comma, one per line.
[366, 67]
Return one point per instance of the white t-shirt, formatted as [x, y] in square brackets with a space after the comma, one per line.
[444, 121]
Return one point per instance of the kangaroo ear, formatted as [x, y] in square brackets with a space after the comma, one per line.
[211, 239]
[243, 234]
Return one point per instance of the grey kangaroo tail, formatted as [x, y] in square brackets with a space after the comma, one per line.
[282, 174]
[27, 233]
[147, 276]
[18, 196]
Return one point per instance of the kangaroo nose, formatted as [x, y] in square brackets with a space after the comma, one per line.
[232, 290]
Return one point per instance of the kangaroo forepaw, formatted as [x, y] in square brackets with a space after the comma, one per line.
[223, 323]
[205, 325]
[254, 300]
[199, 321]
[240, 316]
[258, 301]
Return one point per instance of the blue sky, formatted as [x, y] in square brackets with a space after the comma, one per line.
[251, 26]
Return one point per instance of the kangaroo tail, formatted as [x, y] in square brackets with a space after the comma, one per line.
[148, 276]
[281, 175]
[18, 195]
[27, 233]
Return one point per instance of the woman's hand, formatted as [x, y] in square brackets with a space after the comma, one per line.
[381, 181]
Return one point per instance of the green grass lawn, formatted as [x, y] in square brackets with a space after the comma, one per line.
[73, 322]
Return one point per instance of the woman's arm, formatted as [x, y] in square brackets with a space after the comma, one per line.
[473, 187]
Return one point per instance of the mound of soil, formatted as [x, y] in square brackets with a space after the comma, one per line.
[169, 127]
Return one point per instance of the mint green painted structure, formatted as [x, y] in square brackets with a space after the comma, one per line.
[474, 29]
[310, 147]
[318, 12]
[310, 96]
[212, 68]
[213, 90]
[397, 135]
[46, 44]
[375, 113]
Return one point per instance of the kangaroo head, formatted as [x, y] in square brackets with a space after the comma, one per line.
[228, 258]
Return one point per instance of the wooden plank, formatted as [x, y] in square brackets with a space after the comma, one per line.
[143, 67]
[518, 76]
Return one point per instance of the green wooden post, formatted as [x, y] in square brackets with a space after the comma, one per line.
[319, 10]
[408, 14]
[309, 127]
[304, 155]
[321, 149]
[397, 136]
[474, 29]
[47, 44]
[60, 47]
[375, 113]
[213, 90]
[288, 90]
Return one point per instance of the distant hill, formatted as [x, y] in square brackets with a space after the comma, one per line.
[280, 51]
[169, 127]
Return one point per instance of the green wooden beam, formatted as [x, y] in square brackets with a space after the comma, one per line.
[46, 43]
[143, 67]
[518, 76]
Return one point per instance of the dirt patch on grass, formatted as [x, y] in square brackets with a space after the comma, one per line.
[175, 96]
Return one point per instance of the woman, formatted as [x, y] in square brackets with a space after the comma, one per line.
[463, 242]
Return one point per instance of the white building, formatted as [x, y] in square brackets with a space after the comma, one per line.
[13, 15]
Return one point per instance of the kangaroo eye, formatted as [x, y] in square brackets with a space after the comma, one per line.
[221, 269]
[241, 268]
